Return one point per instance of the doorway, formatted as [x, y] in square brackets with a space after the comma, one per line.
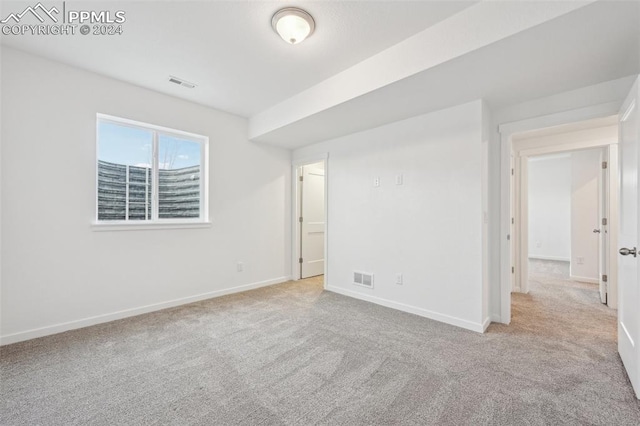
[623, 206]
[310, 236]
[521, 141]
[567, 215]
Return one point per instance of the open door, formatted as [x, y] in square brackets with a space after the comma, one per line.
[312, 220]
[512, 214]
[602, 228]
[628, 277]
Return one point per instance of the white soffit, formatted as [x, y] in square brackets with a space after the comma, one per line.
[481, 52]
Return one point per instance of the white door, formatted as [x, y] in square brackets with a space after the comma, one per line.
[602, 227]
[312, 223]
[628, 238]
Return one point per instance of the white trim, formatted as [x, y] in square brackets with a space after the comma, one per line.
[584, 279]
[614, 217]
[134, 226]
[458, 322]
[560, 118]
[126, 313]
[522, 218]
[554, 258]
[626, 332]
[310, 159]
[486, 323]
[566, 148]
[155, 180]
[506, 281]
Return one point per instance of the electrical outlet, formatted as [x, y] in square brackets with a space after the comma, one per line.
[538, 244]
[376, 182]
[399, 278]
[580, 260]
[399, 179]
[240, 266]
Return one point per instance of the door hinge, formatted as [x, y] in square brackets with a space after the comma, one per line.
[513, 270]
[300, 219]
[512, 172]
[513, 221]
[604, 164]
[604, 220]
[508, 237]
[301, 178]
[604, 278]
[300, 260]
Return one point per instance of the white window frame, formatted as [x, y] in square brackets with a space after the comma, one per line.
[155, 222]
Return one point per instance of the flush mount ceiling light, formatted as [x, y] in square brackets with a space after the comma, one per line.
[293, 24]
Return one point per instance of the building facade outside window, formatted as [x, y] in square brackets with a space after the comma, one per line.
[148, 174]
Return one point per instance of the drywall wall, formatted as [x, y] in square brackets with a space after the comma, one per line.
[585, 174]
[487, 213]
[57, 273]
[429, 228]
[550, 207]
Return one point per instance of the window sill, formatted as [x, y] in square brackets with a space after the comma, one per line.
[129, 226]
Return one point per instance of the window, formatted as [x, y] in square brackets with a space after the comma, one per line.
[148, 174]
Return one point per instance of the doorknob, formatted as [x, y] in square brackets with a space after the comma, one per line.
[596, 231]
[626, 252]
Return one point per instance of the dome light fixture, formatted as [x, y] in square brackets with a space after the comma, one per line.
[293, 24]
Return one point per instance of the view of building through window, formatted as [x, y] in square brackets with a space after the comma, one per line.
[133, 160]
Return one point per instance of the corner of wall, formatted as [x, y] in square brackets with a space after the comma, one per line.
[490, 211]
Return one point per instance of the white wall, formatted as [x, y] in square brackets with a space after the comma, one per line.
[550, 207]
[563, 209]
[56, 272]
[429, 228]
[585, 204]
[487, 213]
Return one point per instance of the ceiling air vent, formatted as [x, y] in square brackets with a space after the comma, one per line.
[181, 82]
[364, 279]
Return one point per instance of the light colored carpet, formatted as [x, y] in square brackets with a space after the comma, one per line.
[294, 354]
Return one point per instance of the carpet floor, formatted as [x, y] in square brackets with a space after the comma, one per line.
[293, 354]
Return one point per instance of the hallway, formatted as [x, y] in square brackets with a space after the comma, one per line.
[556, 304]
[571, 346]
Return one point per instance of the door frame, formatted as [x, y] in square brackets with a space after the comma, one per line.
[508, 203]
[295, 208]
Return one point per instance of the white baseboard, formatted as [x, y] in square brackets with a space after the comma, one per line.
[556, 258]
[485, 324]
[458, 322]
[99, 319]
[584, 279]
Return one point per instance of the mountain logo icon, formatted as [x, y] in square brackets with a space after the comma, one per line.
[38, 11]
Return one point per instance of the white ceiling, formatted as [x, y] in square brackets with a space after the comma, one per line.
[228, 47]
[241, 66]
[595, 43]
